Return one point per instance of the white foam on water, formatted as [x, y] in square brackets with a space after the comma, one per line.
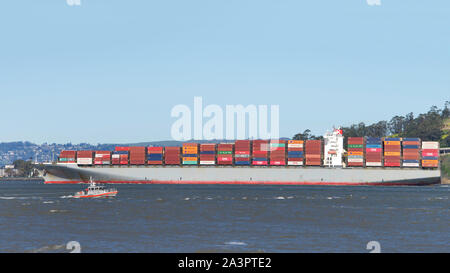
[235, 243]
[244, 198]
[56, 210]
[290, 197]
[18, 197]
[66, 196]
[280, 198]
[48, 202]
[187, 199]
[438, 198]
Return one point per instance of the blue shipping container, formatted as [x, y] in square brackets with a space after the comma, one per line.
[410, 161]
[373, 145]
[295, 154]
[242, 162]
[411, 139]
[410, 146]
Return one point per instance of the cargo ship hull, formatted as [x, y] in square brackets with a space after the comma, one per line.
[282, 175]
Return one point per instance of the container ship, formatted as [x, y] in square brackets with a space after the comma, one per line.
[364, 161]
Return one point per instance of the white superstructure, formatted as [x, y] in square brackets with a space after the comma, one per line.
[333, 148]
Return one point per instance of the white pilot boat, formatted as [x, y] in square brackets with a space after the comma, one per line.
[94, 191]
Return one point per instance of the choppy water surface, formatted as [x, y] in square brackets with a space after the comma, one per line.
[190, 218]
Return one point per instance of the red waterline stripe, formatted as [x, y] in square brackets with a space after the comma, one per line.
[240, 183]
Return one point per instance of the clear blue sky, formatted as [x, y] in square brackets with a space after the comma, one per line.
[111, 71]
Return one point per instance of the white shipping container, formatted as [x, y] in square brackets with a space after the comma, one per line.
[430, 145]
[295, 163]
[411, 165]
[207, 162]
[84, 161]
[373, 164]
[115, 156]
[355, 160]
[295, 145]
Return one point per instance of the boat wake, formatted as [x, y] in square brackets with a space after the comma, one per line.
[66, 196]
[44, 249]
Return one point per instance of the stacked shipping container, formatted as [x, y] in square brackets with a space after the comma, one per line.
[190, 153]
[355, 154]
[172, 155]
[242, 152]
[102, 158]
[392, 152]
[120, 156]
[313, 152]
[260, 152]
[137, 155]
[207, 154]
[277, 152]
[411, 154]
[84, 157]
[374, 152]
[225, 154]
[67, 157]
[154, 155]
[430, 154]
[295, 152]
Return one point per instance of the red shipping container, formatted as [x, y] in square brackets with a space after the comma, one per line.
[260, 163]
[155, 150]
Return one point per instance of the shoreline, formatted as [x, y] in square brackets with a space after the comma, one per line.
[21, 179]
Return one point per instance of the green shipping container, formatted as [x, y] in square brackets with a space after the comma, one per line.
[224, 152]
[355, 145]
[277, 145]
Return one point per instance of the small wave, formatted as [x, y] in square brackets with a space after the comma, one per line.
[7, 197]
[290, 197]
[48, 202]
[333, 197]
[244, 198]
[57, 211]
[280, 198]
[236, 243]
[438, 198]
[209, 198]
[187, 199]
[16, 197]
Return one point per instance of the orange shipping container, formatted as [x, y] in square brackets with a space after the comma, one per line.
[392, 143]
[392, 153]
